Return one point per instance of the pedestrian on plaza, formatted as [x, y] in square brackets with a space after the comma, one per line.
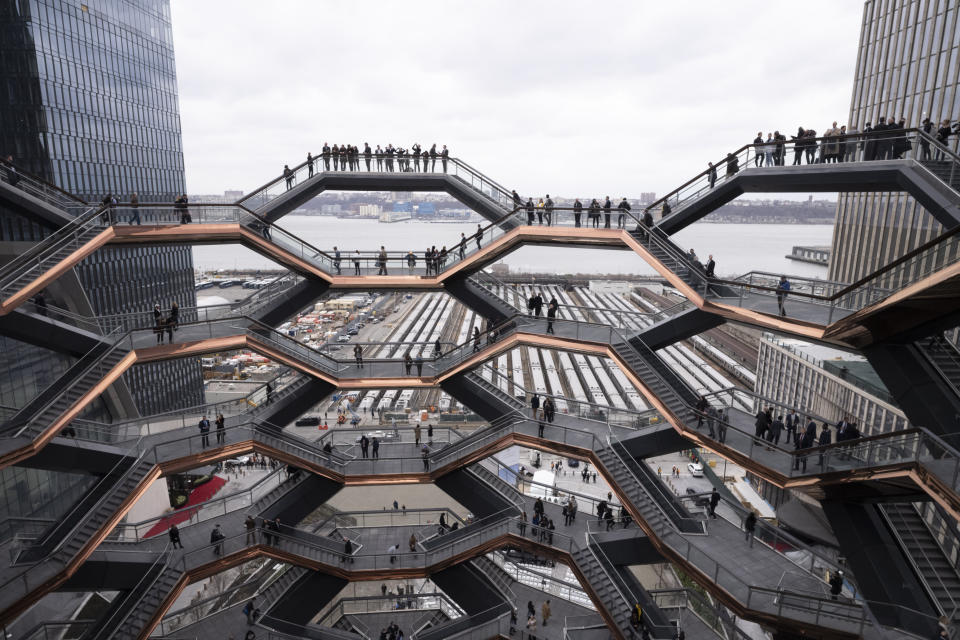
[407, 362]
[710, 267]
[534, 405]
[376, 448]
[711, 419]
[416, 434]
[552, 314]
[593, 213]
[714, 501]
[783, 290]
[134, 209]
[248, 610]
[221, 428]
[545, 610]
[607, 206]
[356, 262]
[522, 525]
[836, 584]
[364, 446]
[701, 408]
[723, 419]
[478, 236]
[549, 409]
[251, 526]
[336, 260]
[419, 363]
[174, 534]
[791, 423]
[430, 433]
[412, 542]
[348, 549]
[776, 427]
[824, 440]
[288, 176]
[425, 454]
[382, 262]
[530, 211]
[622, 209]
[711, 174]
[204, 432]
[749, 527]
[807, 440]
[393, 550]
[577, 212]
[216, 539]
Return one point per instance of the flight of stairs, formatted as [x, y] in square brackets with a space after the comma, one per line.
[926, 554]
[48, 260]
[946, 170]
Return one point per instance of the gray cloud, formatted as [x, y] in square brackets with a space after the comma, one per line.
[564, 97]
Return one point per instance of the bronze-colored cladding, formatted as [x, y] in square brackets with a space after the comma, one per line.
[52, 274]
[863, 327]
[406, 573]
[235, 232]
[937, 490]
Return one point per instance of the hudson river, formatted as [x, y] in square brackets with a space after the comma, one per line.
[737, 248]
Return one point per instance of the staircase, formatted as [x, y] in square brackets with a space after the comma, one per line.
[271, 498]
[601, 583]
[509, 492]
[56, 399]
[935, 569]
[945, 358]
[470, 292]
[947, 171]
[266, 598]
[653, 489]
[24, 269]
[146, 607]
[91, 513]
[495, 574]
[660, 378]
[636, 494]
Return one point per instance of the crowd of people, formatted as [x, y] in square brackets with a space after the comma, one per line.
[347, 157]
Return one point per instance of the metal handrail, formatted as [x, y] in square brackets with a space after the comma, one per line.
[846, 138]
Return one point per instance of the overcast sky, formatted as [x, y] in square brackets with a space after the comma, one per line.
[571, 98]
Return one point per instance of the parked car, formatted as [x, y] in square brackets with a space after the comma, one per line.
[695, 469]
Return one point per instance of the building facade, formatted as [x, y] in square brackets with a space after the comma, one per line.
[800, 375]
[88, 101]
[908, 65]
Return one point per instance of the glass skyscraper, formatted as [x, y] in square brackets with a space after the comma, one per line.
[88, 101]
[908, 66]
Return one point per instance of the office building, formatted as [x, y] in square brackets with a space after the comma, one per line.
[908, 64]
[827, 382]
[88, 101]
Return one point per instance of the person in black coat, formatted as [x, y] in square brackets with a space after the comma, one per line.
[807, 441]
[711, 266]
[577, 212]
[623, 207]
[824, 440]
[714, 501]
[607, 206]
[531, 209]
